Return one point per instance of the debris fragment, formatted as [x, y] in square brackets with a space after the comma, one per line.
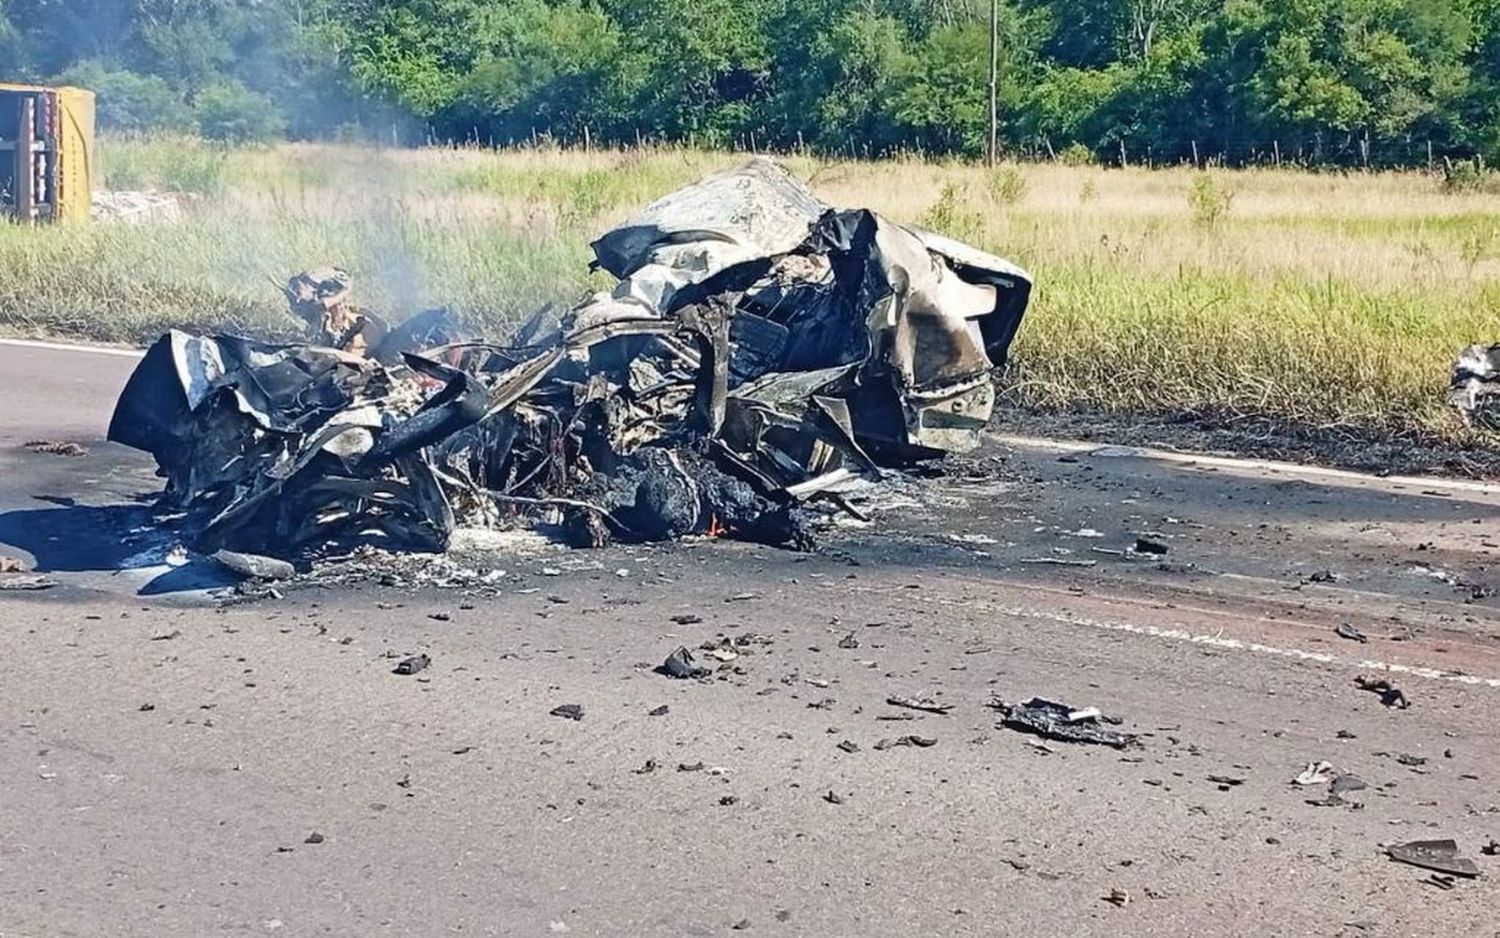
[761, 354]
[1059, 561]
[1473, 385]
[411, 665]
[1316, 773]
[1145, 545]
[1439, 855]
[833, 797]
[57, 448]
[661, 711]
[255, 566]
[26, 581]
[679, 664]
[849, 746]
[314, 838]
[1339, 785]
[568, 711]
[687, 618]
[919, 703]
[1345, 630]
[1390, 695]
[1060, 722]
[921, 742]
[11, 565]
[1118, 897]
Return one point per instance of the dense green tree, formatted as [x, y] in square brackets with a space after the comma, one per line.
[1331, 80]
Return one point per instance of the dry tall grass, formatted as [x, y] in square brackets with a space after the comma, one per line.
[1332, 299]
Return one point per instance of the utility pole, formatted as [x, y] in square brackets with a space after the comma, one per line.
[992, 150]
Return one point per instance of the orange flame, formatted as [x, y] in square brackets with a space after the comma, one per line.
[715, 527]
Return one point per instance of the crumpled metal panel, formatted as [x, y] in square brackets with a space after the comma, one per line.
[1474, 389]
[752, 212]
[930, 316]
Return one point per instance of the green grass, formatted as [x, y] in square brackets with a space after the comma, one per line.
[1326, 299]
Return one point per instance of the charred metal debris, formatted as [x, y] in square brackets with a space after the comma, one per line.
[761, 352]
[1473, 388]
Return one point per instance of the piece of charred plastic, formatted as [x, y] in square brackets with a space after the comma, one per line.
[1439, 855]
[1053, 720]
[681, 665]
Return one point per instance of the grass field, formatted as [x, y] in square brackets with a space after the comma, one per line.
[1330, 299]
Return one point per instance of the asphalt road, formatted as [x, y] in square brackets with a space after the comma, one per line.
[166, 763]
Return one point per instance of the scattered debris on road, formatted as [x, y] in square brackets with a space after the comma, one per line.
[920, 703]
[26, 581]
[1345, 630]
[1439, 855]
[1059, 561]
[1390, 695]
[1060, 722]
[411, 665]
[255, 566]
[1316, 773]
[1339, 785]
[921, 742]
[762, 355]
[568, 711]
[57, 448]
[680, 665]
[1145, 545]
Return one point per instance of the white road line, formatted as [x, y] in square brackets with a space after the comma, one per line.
[1258, 466]
[65, 347]
[1234, 644]
[1218, 640]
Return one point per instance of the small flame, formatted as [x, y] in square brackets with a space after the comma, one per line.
[716, 528]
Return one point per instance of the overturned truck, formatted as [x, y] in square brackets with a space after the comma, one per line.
[761, 351]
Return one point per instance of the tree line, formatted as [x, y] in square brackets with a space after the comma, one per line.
[1376, 82]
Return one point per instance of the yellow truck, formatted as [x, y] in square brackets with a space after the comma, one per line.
[48, 135]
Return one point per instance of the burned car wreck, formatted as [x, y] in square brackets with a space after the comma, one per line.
[761, 352]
